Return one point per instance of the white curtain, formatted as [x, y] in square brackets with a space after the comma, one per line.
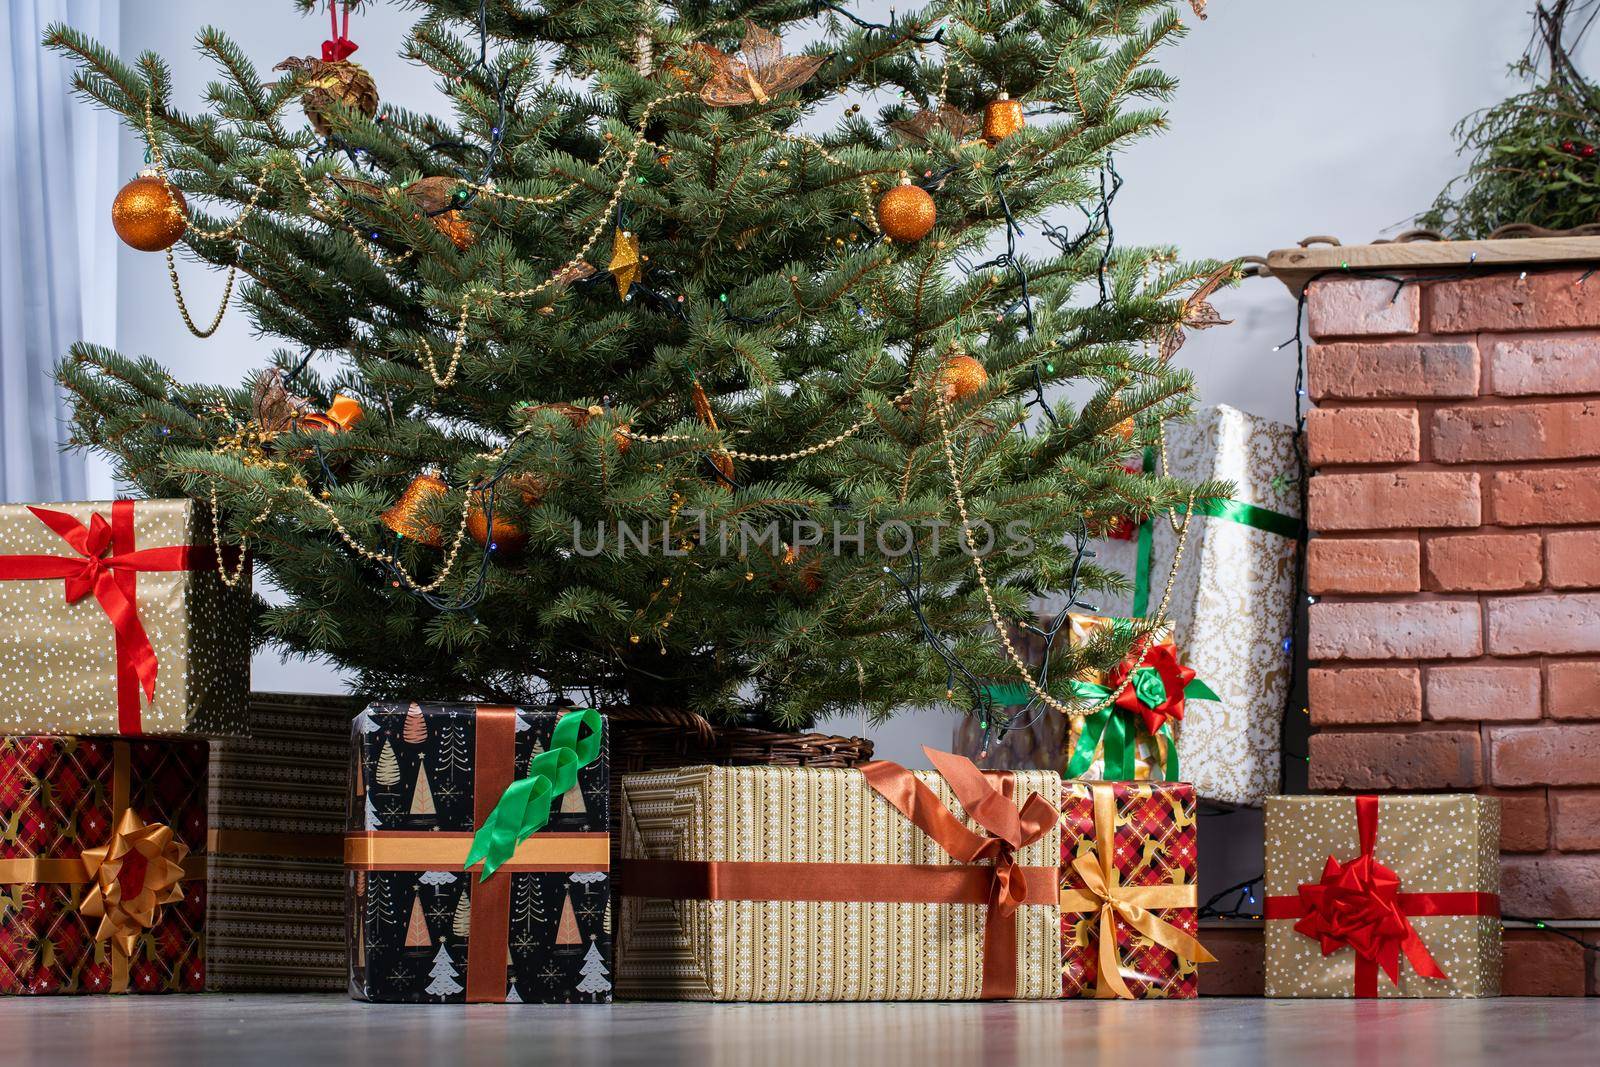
[58, 175]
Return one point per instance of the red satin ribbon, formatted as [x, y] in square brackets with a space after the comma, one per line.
[341, 45]
[113, 581]
[1007, 829]
[1175, 678]
[1358, 904]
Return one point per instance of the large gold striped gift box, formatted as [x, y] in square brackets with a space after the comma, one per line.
[795, 884]
[277, 834]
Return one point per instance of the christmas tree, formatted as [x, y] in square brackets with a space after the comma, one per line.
[444, 975]
[594, 975]
[649, 376]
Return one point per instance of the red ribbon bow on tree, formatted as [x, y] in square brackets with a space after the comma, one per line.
[1156, 693]
[340, 47]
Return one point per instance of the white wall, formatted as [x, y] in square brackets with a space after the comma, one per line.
[1294, 117]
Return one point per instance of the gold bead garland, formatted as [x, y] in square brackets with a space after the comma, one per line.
[1039, 693]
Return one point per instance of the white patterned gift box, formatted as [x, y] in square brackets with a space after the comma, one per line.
[1232, 605]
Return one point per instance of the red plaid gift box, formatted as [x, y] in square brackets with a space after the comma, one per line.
[1128, 873]
[80, 815]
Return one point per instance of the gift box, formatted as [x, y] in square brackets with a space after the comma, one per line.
[1394, 896]
[115, 618]
[276, 877]
[439, 787]
[1128, 876]
[1232, 604]
[876, 883]
[102, 865]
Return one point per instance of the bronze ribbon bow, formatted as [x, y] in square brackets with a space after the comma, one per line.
[130, 878]
[1007, 829]
[341, 416]
[1135, 905]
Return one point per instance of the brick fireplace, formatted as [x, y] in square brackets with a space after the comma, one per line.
[1455, 563]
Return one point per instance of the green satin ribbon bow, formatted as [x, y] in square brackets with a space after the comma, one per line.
[1118, 730]
[524, 808]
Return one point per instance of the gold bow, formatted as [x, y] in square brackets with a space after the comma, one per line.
[131, 878]
[1103, 893]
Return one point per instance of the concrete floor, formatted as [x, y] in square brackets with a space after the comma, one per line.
[315, 1030]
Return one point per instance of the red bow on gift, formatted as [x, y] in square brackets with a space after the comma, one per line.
[1157, 695]
[1358, 904]
[107, 564]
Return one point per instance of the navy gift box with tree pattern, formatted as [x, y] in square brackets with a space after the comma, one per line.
[424, 777]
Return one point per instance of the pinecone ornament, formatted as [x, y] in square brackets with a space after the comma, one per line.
[329, 82]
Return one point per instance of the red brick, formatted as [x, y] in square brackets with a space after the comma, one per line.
[1551, 887]
[1392, 370]
[1572, 689]
[1500, 433]
[1557, 623]
[1551, 754]
[1511, 303]
[1555, 496]
[1361, 565]
[1479, 562]
[1573, 559]
[1362, 307]
[1394, 501]
[1240, 970]
[1362, 435]
[1545, 366]
[1524, 819]
[1540, 964]
[1434, 629]
[1364, 695]
[1576, 817]
[1392, 759]
[1481, 693]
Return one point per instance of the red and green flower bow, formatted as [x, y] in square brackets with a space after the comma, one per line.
[1157, 687]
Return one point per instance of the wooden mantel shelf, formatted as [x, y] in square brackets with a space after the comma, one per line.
[1296, 266]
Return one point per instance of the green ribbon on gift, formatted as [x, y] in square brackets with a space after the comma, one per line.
[1114, 732]
[1216, 507]
[524, 808]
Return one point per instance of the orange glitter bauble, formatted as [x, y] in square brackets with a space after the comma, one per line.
[1002, 117]
[961, 376]
[906, 212]
[408, 517]
[149, 214]
[509, 538]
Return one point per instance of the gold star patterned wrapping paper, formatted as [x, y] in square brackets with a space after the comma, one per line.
[1437, 843]
[59, 659]
[748, 950]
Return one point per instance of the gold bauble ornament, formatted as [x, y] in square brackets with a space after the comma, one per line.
[1002, 117]
[906, 212]
[433, 195]
[340, 81]
[408, 516]
[149, 214]
[960, 376]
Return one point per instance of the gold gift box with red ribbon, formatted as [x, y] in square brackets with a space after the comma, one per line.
[1383, 896]
[115, 620]
[796, 884]
[102, 865]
